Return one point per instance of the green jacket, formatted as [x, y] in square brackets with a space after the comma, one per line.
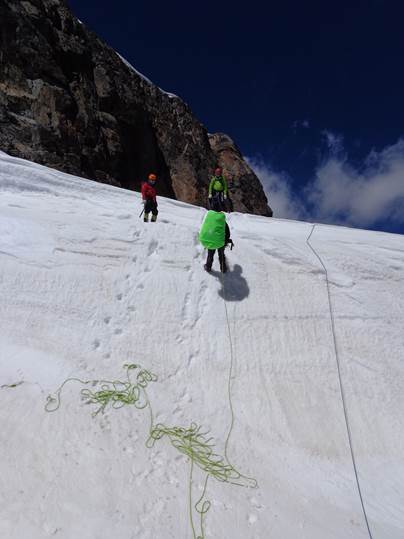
[213, 230]
[218, 184]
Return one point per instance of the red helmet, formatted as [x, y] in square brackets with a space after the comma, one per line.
[152, 177]
[218, 171]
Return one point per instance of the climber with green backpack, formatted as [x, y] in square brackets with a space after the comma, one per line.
[215, 234]
[217, 188]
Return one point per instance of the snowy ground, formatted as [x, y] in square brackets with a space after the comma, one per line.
[86, 286]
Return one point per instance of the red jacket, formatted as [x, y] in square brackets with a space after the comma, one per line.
[148, 192]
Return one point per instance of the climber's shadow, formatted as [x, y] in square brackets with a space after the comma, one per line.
[234, 286]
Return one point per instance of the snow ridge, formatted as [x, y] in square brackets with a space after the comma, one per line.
[130, 66]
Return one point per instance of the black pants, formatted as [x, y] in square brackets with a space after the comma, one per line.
[151, 206]
[222, 259]
[217, 201]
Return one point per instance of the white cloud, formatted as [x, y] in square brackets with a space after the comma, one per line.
[279, 191]
[342, 194]
[339, 193]
[334, 142]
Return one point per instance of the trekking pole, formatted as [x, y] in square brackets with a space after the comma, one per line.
[141, 213]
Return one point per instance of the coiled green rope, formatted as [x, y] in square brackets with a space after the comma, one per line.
[116, 393]
[193, 442]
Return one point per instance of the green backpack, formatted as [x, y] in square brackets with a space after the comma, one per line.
[212, 233]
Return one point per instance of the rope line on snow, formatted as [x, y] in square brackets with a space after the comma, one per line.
[230, 371]
[254, 483]
[342, 391]
[193, 442]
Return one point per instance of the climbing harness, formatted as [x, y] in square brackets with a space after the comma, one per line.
[341, 386]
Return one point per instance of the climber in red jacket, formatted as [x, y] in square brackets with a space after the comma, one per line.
[149, 198]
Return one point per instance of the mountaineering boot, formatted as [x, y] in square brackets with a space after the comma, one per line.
[146, 218]
[154, 218]
[207, 268]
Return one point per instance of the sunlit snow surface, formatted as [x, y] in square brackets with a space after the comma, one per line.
[86, 286]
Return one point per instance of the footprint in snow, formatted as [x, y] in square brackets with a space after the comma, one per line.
[152, 247]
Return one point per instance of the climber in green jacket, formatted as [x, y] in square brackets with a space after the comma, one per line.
[218, 188]
[215, 234]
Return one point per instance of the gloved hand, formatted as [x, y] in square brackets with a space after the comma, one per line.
[143, 202]
[224, 197]
[210, 196]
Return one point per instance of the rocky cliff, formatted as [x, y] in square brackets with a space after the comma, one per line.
[69, 101]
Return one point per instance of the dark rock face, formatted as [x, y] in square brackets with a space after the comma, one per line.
[70, 102]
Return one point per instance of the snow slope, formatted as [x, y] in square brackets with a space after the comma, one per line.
[86, 287]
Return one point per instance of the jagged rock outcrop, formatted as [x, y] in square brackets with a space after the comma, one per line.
[69, 101]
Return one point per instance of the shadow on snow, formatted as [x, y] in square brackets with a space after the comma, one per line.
[234, 286]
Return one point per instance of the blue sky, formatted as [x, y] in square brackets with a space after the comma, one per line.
[312, 92]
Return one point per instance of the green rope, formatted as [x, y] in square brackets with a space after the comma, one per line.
[116, 393]
[10, 386]
[119, 394]
[201, 509]
[191, 519]
[192, 442]
[252, 482]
